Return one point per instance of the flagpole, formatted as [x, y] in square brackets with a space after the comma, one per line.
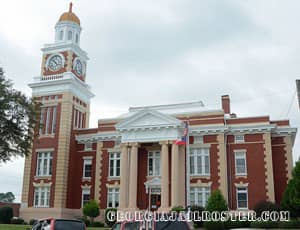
[188, 166]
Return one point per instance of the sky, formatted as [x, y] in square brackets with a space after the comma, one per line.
[160, 52]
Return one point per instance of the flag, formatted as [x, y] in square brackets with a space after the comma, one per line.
[183, 139]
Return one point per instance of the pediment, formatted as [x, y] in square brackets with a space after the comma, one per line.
[148, 119]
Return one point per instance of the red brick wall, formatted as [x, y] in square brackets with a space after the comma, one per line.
[279, 167]
[255, 169]
[45, 142]
[14, 206]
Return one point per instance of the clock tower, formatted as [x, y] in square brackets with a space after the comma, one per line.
[65, 107]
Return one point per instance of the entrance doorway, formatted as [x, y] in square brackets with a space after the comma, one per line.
[155, 202]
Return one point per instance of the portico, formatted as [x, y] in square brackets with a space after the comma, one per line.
[146, 127]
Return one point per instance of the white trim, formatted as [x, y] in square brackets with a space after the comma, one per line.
[42, 203]
[115, 160]
[87, 161]
[200, 152]
[156, 156]
[85, 191]
[113, 191]
[243, 157]
[237, 203]
[237, 141]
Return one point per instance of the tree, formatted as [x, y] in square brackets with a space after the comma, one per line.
[8, 197]
[17, 121]
[291, 196]
[91, 209]
[216, 202]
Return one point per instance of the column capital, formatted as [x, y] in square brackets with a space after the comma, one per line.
[164, 142]
[134, 144]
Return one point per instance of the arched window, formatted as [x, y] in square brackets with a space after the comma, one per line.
[70, 35]
[77, 38]
[61, 35]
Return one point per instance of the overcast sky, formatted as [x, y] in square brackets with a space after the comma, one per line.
[159, 52]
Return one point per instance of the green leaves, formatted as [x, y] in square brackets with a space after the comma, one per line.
[291, 196]
[91, 209]
[216, 202]
[18, 118]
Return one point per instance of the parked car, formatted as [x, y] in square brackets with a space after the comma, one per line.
[58, 224]
[159, 225]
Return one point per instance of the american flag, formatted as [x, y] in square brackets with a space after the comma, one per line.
[183, 139]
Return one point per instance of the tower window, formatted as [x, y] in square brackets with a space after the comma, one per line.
[70, 34]
[61, 35]
[77, 38]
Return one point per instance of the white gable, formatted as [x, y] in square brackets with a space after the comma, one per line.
[149, 126]
[148, 119]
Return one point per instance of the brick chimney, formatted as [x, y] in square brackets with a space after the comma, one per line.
[226, 104]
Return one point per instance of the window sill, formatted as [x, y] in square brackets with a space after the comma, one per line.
[200, 176]
[86, 179]
[110, 178]
[47, 136]
[241, 175]
[41, 206]
[43, 177]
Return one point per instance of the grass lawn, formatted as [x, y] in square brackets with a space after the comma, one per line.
[24, 227]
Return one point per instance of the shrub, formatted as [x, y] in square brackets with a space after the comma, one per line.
[97, 224]
[17, 220]
[236, 224]
[265, 206]
[264, 224]
[291, 197]
[199, 209]
[213, 225]
[295, 224]
[216, 202]
[91, 209]
[178, 209]
[32, 221]
[6, 213]
[107, 221]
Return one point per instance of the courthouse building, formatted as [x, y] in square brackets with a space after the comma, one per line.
[131, 162]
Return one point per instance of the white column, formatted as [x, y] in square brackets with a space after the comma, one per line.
[133, 176]
[124, 177]
[164, 176]
[175, 176]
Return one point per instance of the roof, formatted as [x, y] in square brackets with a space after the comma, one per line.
[69, 16]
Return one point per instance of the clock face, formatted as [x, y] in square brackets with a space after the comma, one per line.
[55, 63]
[78, 67]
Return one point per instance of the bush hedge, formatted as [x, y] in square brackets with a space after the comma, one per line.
[97, 224]
[295, 224]
[264, 224]
[265, 206]
[6, 214]
[17, 220]
[236, 224]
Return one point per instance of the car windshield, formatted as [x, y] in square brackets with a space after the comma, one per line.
[68, 225]
[171, 225]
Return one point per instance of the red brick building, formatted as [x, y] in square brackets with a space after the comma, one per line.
[131, 161]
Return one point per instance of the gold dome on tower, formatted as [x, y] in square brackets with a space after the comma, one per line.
[69, 16]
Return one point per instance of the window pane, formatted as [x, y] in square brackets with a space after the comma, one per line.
[199, 165]
[150, 167]
[207, 165]
[118, 168]
[111, 165]
[192, 169]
